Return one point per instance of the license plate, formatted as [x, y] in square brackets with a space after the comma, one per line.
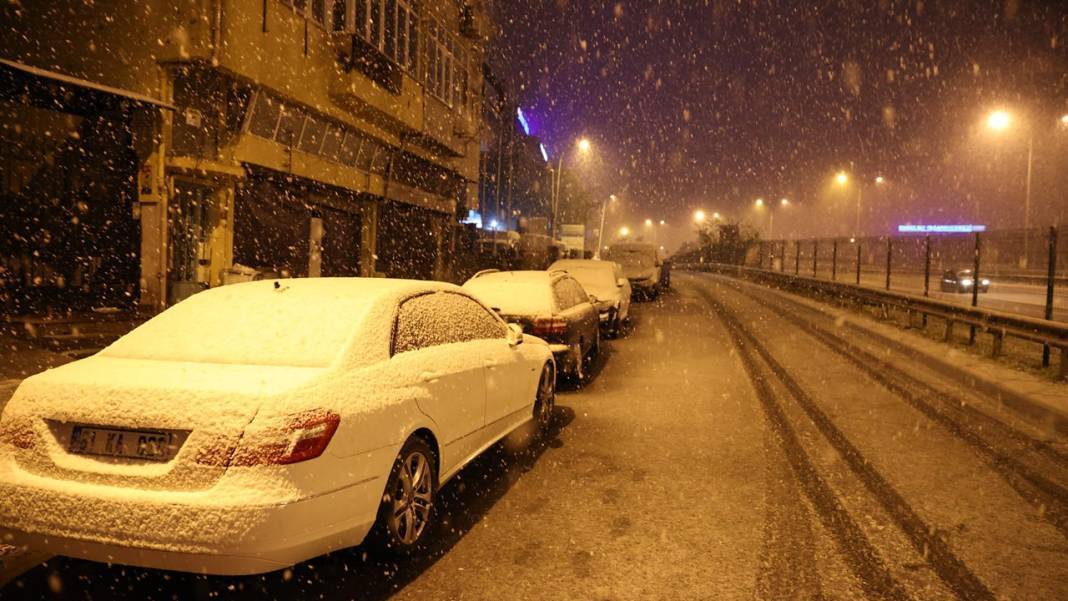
[151, 445]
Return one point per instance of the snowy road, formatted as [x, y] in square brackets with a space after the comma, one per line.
[732, 446]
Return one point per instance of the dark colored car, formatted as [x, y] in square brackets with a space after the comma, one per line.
[962, 280]
[551, 305]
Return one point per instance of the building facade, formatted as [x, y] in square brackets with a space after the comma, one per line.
[162, 143]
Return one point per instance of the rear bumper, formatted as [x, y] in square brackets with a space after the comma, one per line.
[189, 532]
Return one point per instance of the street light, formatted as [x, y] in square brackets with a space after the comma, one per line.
[999, 121]
[662, 222]
[716, 216]
[584, 146]
[624, 232]
[879, 180]
[699, 216]
[648, 223]
[600, 232]
[760, 204]
[842, 179]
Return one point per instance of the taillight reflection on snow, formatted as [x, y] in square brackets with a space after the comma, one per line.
[297, 438]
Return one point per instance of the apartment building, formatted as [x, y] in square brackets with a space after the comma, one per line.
[161, 143]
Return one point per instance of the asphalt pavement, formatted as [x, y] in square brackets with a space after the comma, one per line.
[728, 447]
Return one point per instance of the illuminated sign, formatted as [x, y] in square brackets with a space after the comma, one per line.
[941, 229]
[544, 153]
[523, 121]
[473, 217]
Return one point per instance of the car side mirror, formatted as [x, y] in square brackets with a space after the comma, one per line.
[515, 334]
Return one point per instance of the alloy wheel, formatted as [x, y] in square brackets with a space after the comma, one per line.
[412, 498]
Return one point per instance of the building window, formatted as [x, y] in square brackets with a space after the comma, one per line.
[389, 26]
[313, 10]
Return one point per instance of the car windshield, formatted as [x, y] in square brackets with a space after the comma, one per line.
[251, 324]
[632, 258]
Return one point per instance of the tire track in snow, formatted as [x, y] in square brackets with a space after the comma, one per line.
[861, 556]
[1049, 498]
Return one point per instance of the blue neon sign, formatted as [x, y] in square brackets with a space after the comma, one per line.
[941, 229]
[523, 121]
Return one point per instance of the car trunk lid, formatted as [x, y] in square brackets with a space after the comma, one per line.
[140, 423]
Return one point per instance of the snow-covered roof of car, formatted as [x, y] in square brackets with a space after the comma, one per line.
[295, 322]
[514, 292]
[566, 264]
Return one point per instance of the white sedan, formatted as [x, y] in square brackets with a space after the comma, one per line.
[257, 425]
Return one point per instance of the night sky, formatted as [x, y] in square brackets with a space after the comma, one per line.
[713, 104]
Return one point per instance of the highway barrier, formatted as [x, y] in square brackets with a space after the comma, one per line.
[998, 324]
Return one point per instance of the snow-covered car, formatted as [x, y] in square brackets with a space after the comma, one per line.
[608, 288]
[549, 304]
[257, 425]
[641, 264]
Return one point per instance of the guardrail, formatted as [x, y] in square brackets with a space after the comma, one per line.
[998, 324]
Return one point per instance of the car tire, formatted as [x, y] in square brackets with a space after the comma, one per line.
[545, 401]
[407, 514]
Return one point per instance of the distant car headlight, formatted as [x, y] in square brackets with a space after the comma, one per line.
[986, 282]
[966, 282]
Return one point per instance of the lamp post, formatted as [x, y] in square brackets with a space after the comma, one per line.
[999, 121]
[842, 179]
[760, 204]
[600, 232]
[584, 145]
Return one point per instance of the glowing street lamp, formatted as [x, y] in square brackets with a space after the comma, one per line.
[584, 145]
[761, 204]
[624, 232]
[999, 120]
[699, 216]
[662, 222]
[648, 223]
[842, 178]
[716, 216]
[879, 180]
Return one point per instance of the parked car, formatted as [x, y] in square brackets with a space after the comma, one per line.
[257, 425]
[641, 264]
[549, 304]
[608, 289]
[962, 280]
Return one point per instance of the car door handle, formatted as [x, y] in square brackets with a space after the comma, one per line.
[429, 376]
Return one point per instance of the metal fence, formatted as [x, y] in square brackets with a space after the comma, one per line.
[1027, 270]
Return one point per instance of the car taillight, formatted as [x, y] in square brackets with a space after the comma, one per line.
[294, 439]
[548, 326]
[18, 435]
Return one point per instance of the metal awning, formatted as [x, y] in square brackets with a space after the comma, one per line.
[56, 91]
